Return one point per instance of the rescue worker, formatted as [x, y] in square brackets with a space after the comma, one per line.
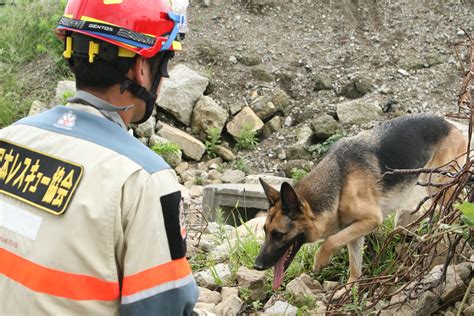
[91, 220]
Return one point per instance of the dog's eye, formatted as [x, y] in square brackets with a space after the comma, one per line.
[276, 235]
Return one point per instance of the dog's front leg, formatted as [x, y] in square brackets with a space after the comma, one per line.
[349, 234]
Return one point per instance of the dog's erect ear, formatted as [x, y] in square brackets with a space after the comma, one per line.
[290, 200]
[272, 194]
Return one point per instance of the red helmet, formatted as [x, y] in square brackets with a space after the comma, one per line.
[145, 27]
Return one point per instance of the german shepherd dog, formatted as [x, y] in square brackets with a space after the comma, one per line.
[347, 195]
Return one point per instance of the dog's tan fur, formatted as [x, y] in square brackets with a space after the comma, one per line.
[343, 202]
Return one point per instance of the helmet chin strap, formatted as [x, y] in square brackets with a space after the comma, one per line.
[146, 95]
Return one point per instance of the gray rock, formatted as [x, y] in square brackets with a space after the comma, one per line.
[181, 91]
[282, 308]
[272, 126]
[298, 288]
[250, 59]
[312, 284]
[155, 139]
[228, 291]
[208, 296]
[464, 271]
[209, 50]
[469, 311]
[330, 285]
[215, 175]
[65, 89]
[322, 82]
[37, 107]
[324, 126]
[403, 72]
[225, 153]
[204, 309]
[191, 147]
[207, 114]
[245, 116]
[264, 107]
[233, 176]
[281, 100]
[214, 277]
[146, 129]
[231, 306]
[299, 150]
[357, 88]
[427, 304]
[358, 111]
[253, 281]
[454, 286]
[261, 74]
[270, 179]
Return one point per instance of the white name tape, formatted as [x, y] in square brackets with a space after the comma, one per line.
[19, 221]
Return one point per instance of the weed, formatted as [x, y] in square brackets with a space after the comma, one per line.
[238, 164]
[305, 303]
[374, 243]
[213, 140]
[298, 173]
[66, 95]
[247, 138]
[358, 305]
[199, 262]
[170, 152]
[199, 181]
[323, 147]
[216, 276]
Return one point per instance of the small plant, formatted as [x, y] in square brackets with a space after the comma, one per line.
[247, 138]
[240, 164]
[213, 140]
[199, 181]
[216, 276]
[323, 147]
[298, 173]
[305, 303]
[170, 152]
[66, 95]
[358, 305]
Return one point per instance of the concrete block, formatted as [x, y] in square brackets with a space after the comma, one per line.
[245, 199]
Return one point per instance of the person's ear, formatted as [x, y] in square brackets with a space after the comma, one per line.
[138, 70]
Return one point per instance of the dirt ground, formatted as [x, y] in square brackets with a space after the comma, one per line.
[404, 48]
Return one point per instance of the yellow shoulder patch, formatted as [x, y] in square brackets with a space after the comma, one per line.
[36, 178]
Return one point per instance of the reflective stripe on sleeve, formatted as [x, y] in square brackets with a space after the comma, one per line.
[54, 282]
[162, 278]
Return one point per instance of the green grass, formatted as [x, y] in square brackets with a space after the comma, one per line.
[30, 56]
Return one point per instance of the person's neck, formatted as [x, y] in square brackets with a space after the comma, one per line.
[116, 98]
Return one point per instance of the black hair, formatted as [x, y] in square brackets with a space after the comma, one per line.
[103, 72]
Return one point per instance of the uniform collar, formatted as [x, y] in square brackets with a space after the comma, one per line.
[84, 99]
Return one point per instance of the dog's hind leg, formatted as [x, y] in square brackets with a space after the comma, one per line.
[355, 248]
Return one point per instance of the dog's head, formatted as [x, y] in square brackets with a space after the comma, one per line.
[285, 230]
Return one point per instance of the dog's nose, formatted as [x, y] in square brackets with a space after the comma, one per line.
[258, 266]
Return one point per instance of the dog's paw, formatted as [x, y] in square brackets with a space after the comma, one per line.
[320, 261]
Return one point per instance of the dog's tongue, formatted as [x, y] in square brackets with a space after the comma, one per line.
[279, 271]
